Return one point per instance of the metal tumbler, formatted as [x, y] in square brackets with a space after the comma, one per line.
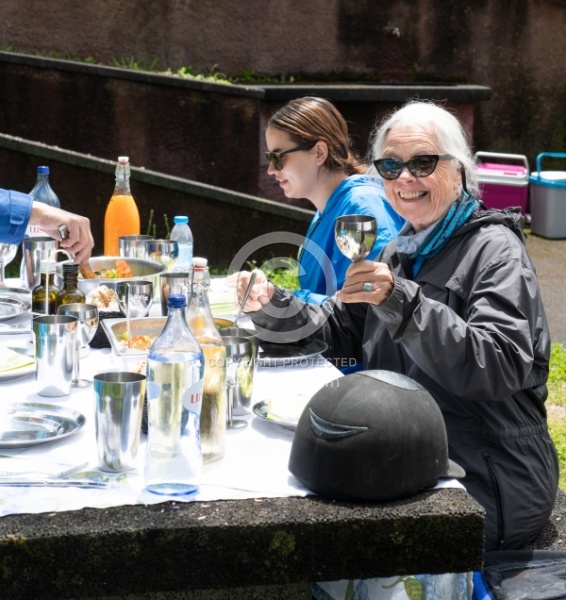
[34, 250]
[133, 246]
[119, 398]
[55, 347]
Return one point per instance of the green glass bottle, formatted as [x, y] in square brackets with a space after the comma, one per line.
[70, 292]
[44, 296]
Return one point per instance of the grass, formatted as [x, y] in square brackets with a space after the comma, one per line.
[556, 406]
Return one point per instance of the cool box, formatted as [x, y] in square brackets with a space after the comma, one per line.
[503, 185]
[548, 200]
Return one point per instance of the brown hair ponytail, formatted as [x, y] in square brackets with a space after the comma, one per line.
[312, 119]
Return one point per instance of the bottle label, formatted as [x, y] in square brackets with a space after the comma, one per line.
[192, 397]
[34, 231]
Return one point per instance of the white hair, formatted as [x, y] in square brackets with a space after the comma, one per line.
[449, 132]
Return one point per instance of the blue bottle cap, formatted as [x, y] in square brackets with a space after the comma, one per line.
[181, 219]
[176, 301]
[43, 170]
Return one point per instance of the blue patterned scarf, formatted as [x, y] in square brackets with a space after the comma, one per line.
[428, 243]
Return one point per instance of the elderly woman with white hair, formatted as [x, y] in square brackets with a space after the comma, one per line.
[454, 303]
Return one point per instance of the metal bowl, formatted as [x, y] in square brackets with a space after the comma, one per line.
[150, 326]
[141, 269]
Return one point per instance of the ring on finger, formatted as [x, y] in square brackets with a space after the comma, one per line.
[367, 287]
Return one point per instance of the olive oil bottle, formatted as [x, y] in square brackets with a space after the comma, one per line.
[70, 292]
[44, 296]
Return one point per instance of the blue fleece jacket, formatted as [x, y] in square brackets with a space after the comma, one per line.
[322, 267]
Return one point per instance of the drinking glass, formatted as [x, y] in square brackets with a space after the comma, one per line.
[134, 300]
[163, 251]
[134, 297]
[87, 323]
[355, 235]
[133, 246]
[239, 356]
[7, 253]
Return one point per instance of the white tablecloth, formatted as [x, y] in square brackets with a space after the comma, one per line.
[255, 463]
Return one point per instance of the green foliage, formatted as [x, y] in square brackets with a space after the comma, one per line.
[188, 72]
[129, 62]
[153, 230]
[283, 273]
[556, 404]
[212, 75]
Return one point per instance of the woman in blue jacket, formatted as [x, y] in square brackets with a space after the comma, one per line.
[18, 209]
[310, 156]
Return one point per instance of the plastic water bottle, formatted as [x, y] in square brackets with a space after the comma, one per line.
[41, 192]
[175, 377]
[183, 235]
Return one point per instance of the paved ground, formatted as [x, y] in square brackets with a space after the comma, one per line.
[549, 257]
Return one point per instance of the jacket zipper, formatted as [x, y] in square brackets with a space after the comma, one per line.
[498, 500]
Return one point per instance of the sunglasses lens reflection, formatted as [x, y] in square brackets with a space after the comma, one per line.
[419, 166]
[273, 159]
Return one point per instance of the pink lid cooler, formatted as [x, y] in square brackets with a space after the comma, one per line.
[503, 179]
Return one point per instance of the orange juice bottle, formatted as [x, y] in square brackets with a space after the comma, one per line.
[122, 216]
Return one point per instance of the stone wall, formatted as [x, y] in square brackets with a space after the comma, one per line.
[517, 49]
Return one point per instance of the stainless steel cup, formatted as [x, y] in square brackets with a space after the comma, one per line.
[163, 251]
[119, 400]
[240, 369]
[55, 347]
[173, 282]
[34, 250]
[133, 246]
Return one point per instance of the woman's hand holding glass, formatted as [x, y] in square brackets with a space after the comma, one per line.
[367, 281]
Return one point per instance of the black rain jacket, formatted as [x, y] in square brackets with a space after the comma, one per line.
[471, 329]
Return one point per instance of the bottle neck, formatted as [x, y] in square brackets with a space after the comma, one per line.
[70, 283]
[122, 186]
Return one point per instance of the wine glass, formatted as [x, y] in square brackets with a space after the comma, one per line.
[87, 324]
[355, 235]
[238, 354]
[134, 297]
[134, 300]
[7, 254]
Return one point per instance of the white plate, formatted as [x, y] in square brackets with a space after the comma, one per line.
[14, 302]
[16, 373]
[261, 410]
[30, 424]
[10, 308]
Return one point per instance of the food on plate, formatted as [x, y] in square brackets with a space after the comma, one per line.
[104, 298]
[121, 271]
[138, 342]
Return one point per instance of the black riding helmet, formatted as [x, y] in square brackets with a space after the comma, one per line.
[372, 435]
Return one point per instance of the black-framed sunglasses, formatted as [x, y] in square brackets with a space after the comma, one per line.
[419, 166]
[274, 158]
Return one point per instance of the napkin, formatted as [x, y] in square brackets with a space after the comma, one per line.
[10, 360]
[222, 299]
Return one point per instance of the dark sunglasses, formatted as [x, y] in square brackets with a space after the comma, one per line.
[419, 166]
[274, 158]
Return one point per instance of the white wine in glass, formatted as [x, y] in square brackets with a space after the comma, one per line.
[355, 235]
